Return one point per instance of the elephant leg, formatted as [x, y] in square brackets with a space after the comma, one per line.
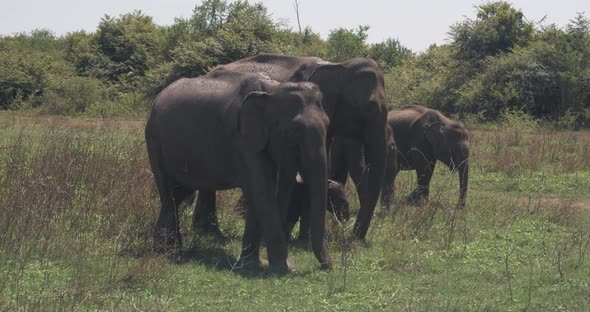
[181, 194]
[388, 189]
[205, 214]
[167, 230]
[167, 236]
[264, 218]
[424, 175]
[251, 241]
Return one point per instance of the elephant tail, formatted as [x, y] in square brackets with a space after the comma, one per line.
[154, 147]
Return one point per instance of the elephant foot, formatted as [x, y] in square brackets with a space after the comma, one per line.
[211, 230]
[326, 266]
[416, 199]
[460, 205]
[281, 267]
[250, 263]
[383, 212]
[166, 241]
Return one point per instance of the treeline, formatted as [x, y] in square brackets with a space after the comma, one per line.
[494, 62]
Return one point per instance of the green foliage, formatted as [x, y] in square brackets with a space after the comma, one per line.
[389, 54]
[496, 61]
[22, 76]
[29, 63]
[515, 80]
[216, 33]
[345, 43]
[498, 28]
[81, 50]
[517, 119]
[248, 30]
[209, 17]
[427, 79]
[499, 61]
[73, 95]
[131, 44]
[306, 43]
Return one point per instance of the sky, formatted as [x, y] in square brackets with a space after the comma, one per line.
[416, 24]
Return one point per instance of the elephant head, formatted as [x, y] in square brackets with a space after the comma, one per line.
[450, 145]
[337, 202]
[290, 125]
[354, 98]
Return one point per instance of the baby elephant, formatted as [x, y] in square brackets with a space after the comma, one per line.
[298, 209]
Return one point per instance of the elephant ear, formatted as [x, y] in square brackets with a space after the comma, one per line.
[329, 79]
[252, 123]
[435, 132]
[436, 135]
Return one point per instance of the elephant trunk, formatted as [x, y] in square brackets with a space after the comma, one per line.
[314, 163]
[463, 181]
[375, 151]
[463, 168]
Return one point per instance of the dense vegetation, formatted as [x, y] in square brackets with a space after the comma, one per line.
[498, 61]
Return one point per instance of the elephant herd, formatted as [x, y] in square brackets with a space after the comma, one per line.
[288, 131]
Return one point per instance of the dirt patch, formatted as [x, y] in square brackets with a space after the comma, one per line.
[560, 208]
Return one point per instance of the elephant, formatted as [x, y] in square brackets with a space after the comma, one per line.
[298, 209]
[354, 100]
[419, 136]
[240, 130]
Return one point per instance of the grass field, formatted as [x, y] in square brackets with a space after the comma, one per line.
[77, 205]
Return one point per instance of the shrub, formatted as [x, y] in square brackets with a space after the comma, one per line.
[73, 95]
[517, 119]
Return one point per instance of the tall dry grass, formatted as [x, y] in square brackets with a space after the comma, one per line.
[507, 150]
[72, 197]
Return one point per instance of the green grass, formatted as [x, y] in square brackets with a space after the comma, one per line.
[77, 206]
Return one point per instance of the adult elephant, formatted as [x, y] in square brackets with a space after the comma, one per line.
[230, 129]
[419, 136]
[422, 136]
[354, 99]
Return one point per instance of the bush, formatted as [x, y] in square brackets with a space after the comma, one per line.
[73, 95]
[517, 119]
[23, 75]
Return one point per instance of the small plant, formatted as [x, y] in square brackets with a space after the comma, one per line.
[518, 120]
[570, 120]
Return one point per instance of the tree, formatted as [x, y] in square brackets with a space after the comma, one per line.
[131, 44]
[497, 29]
[209, 17]
[29, 62]
[248, 30]
[389, 53]
[345, 43]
